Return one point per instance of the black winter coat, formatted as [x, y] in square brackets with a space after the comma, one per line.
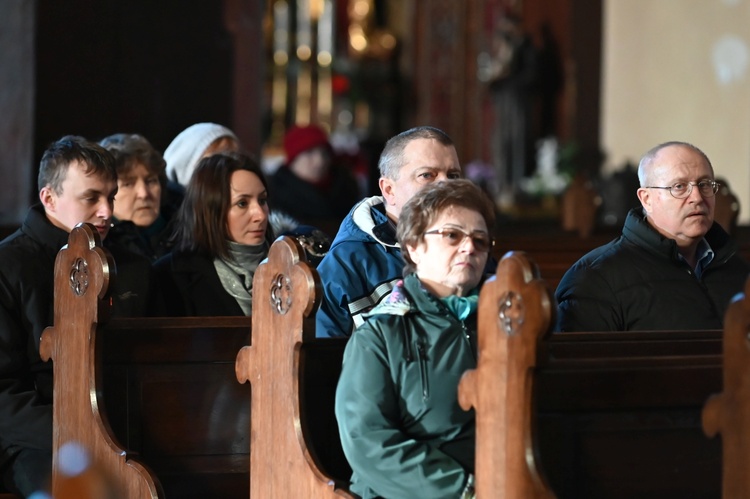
[151, 242]
[27, 271]
[638, 282]
[309, 204]
[190, 287]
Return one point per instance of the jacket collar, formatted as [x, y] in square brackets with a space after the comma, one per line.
[408, 295]
[369, 216]
[638, 230]
[38, 227]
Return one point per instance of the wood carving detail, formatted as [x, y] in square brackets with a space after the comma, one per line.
[79, 276]
[281, 293]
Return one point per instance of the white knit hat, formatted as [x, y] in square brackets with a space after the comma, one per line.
[186, 150]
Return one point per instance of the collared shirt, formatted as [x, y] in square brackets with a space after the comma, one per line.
[704, 255]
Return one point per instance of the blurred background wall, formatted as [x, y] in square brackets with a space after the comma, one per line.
[626, 75]
[675, 70]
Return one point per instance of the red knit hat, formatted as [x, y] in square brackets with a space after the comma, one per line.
[299, 139]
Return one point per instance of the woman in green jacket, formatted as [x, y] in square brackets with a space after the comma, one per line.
[400, 423]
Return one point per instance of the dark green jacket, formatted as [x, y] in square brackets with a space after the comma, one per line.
[401, 427]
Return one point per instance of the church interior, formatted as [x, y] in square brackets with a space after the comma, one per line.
[368, 69]
[550, 105]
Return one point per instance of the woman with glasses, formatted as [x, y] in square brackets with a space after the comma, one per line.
[673, 267]
[401, 427]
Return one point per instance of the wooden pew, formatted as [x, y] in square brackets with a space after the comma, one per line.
[515, 312]
[579, 205]
[552, 250]
[82, 273]
[155, 401]
[617, 414]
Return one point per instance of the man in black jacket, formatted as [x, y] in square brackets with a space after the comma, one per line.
[77, 183]
[673, 267]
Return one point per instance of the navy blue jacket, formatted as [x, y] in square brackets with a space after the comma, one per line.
[362, 266]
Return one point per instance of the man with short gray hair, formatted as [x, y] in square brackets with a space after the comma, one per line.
[365, 261]
[673, 267]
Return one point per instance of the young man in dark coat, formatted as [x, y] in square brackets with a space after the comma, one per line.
[673, 267]
[77, 183]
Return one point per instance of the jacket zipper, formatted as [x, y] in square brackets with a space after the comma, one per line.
[423, 370]
[467, 337]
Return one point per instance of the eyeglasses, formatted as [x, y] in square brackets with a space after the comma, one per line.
[681, 190]
[455, 236]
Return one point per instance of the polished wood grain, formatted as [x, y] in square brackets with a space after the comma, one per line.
[283, 460]
[82, 274]
[515, 313]
[579, 205]
[728, 413]
[171, 396]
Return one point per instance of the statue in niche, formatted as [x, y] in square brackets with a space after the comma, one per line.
[513, 75]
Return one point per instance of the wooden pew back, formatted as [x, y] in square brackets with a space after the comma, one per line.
[172, 398]
[579, 205]
[614, 414]
[515, 312]
[553, 252]
[82, 274]
[728, 413]
[619, 414]
[166, 389]
[286, 421]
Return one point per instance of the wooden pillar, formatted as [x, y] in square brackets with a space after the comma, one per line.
[244, 21]
[17, 26]
[586, 38]
[445, 51]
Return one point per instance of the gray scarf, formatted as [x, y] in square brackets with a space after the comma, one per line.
[236, 273]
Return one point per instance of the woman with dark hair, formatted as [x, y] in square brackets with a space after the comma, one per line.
[222, 234]
[400, 423]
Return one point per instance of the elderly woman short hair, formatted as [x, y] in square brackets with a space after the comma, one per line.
[142, 215]
[401, 427]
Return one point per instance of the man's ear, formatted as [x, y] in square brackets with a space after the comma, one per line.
[386, 188]
[644, 196]
[48, 198]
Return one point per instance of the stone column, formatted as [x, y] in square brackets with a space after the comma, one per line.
[17, 25]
